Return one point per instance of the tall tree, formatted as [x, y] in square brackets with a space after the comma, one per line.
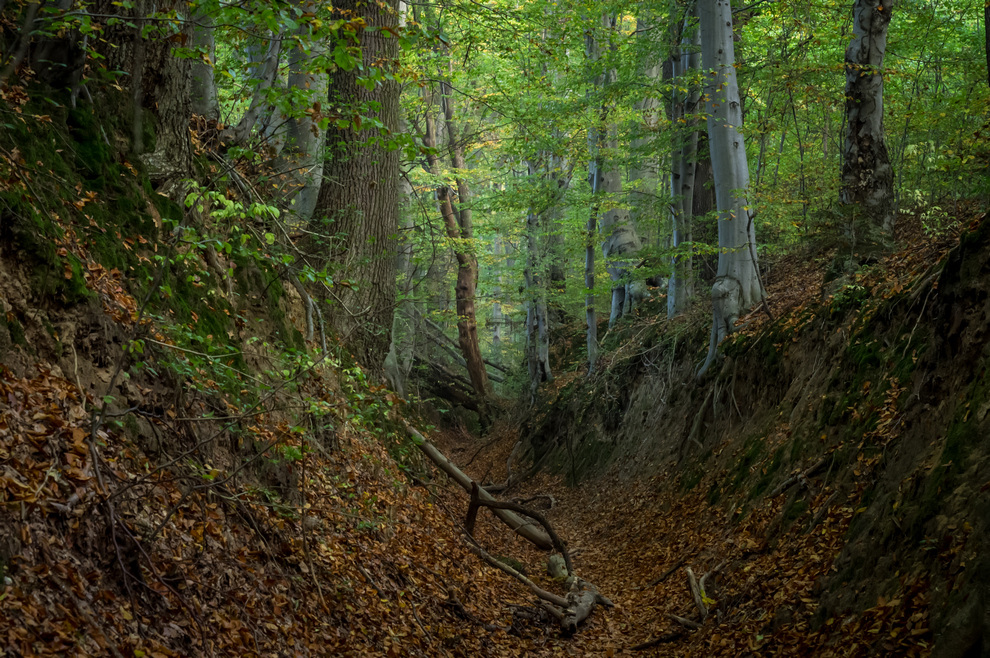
[737, 282]
[357, 207]
[686, 63]
[867, 175]
[458, 224]
[620, 242]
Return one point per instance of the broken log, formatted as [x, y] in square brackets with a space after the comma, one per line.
[524, 528]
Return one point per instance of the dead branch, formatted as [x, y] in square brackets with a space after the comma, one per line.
[666, 574]
[472, 514]
[540, 593]
[699, 600]
[687, 623]
[459, 608]
[801, 477]
[663, 639]
[822, 511]
[558, 544]
[524, 528]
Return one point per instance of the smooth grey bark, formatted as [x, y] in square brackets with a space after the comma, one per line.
[261, 79]
[867, 175]
[304, 141]
[686, 64]
[202, 84]
[620, 242]
[537, 322]
[401, 350]
[644, 175]
[737, 282]
[595, 141]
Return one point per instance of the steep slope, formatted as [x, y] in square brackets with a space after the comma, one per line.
[831, 473]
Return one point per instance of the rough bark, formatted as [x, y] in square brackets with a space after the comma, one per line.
[686, 63]
[867, 175]
[737, 283]
[166, 79]
[357, 207]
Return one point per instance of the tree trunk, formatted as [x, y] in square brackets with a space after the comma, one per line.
[687, 62]
[461, 237]
[620, 244]
[595, 141]
[537, 329]
[867, 176]
[202, 85]
[357, 207]
[262, 78]
[303, 153]
[737, 282]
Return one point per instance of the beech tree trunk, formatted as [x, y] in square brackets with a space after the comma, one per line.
[620, 243]
[537, 322]
[595, 142]
[357, 206]
[303, 152]
[202, 85]
[686, 64]
[262, 78]
[867, 175]
[737, 282]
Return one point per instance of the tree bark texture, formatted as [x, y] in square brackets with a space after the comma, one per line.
[461, 238]
[737, 283]
[867, 175]
[357, 207]
[537, 323]
[686, 64]
[620, 242]
[202, 85]
[303, 152]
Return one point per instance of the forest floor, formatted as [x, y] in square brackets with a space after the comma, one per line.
[111, 545]
[636, 531]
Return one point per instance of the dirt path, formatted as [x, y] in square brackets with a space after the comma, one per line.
[634, 539]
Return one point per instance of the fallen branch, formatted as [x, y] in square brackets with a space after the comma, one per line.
[663, 639]
[699, 600]
[524, 528]
[801, 477]
[666, 574]
[540, 593]
[687, 623]
[558, 544]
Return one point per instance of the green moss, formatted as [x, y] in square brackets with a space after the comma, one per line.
[752, 450]
[768, 473]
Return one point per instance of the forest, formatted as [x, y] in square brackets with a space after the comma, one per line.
[493, 328]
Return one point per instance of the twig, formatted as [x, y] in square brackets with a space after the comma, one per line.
[693, 625]
[668, 572]
[663, 639]
[797, 477]
[371, 581]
